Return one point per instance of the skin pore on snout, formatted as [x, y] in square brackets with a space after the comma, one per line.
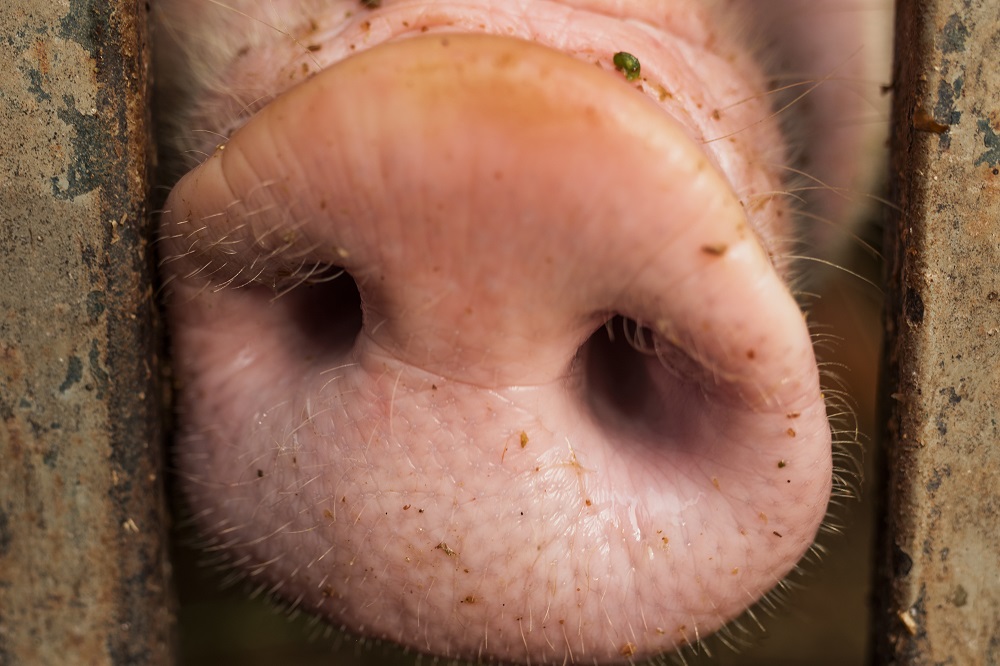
[480, 347]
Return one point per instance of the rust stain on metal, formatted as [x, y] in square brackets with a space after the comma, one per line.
[923, 121]
[939, 589]
[84, 576]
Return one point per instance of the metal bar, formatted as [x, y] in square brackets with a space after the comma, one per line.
[84, 574]
[939, 580]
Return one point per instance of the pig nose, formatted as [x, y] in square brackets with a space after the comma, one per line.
[384, 294]
[495, 203]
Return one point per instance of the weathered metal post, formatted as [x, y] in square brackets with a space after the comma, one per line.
[84, 577]
[939, 584]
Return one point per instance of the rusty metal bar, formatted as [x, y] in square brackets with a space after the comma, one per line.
[84, 576]
[939, 580]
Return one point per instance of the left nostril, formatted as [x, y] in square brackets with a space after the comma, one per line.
[326, 312]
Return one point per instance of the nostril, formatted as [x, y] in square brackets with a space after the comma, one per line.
[639, 387]
[326, 311]
[617, 381]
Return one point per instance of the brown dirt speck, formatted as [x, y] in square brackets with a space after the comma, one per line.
[446, 549]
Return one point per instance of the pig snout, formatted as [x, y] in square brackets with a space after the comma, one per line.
[482, 347]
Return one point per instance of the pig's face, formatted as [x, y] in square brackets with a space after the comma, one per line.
[482, 330]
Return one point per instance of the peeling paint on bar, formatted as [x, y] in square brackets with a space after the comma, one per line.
[938, 590]
[84, 573]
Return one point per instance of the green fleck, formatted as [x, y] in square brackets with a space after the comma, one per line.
[627, 63]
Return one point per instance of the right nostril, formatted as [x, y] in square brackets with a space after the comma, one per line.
[326, 311]
[616, 377]
[638, 387]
